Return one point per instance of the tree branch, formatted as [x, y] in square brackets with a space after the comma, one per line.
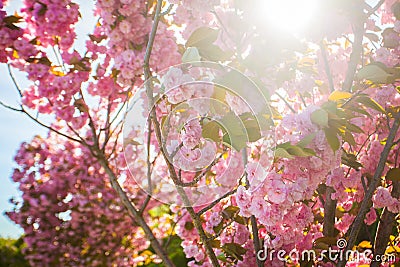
[253, 220]
[327, 67]
[385, 228]
[329, 213]
[355, 55]
[367, 201]
[215, 202]
[134, 212]
[157, 129]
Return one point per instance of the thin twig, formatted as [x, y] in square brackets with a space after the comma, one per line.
[287, 103]
[215, 202]
[14, 80]
[10, 107]
[375, 8]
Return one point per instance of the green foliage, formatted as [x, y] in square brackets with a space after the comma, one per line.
[288, 150]
[236, 130]
[11, 253]
[393, 174]
[174, 250]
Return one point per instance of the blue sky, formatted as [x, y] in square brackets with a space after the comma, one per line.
[15, 128]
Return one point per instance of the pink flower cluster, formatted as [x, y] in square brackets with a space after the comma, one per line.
[52, 21]
[383, 199]
[127, 23]
[66, 200]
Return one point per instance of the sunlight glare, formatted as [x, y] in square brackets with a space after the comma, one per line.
[288, 15]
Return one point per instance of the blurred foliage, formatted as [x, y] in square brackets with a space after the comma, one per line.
[174, 250]
[11, 253]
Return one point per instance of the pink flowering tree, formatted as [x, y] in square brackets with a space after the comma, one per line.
[206, 133]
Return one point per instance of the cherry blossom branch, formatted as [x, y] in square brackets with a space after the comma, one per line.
[149, 183]
[329, 203]
[329, 213]
[10, 107]
[375, 8]
[153, 116]
[14, 80]
[367, 201]
[385, 228]
[133, 211]
[355, 55]
[287, 103]
[203, 173]
[215, 202]
[23, 111]
[253, 220]
[327, 67]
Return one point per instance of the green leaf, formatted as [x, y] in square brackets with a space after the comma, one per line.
[306, 140]
[325, 241]
[349, 138]
[393, 174]
[159, 211]
[237, 142]
[320, 117]
[202, 36]
[350, 160]
[253, 129]
[191, 54]
[222, 257]
[97, 39]
[372, 36]
[353, 128]
[235, 134]
[388, 40]
[189, 226]
[210, 131]
[332, 138]
[230, 211]
[214, 53]
[369, 102]
[239, 219]
[373, 73]
[12, 19]
[282, 153]
[234, 250]
[299, 152]
[215, 243]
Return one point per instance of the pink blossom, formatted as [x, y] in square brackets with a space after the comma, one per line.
[382, 198]
[371, 217]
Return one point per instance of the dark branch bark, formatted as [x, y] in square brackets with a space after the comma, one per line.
[327, 67]
[355, 56]
[329, 213]
[385, 228]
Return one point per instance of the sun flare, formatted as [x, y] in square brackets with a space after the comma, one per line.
[288, 15]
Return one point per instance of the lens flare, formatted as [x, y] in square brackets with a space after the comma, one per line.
[288, 15]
